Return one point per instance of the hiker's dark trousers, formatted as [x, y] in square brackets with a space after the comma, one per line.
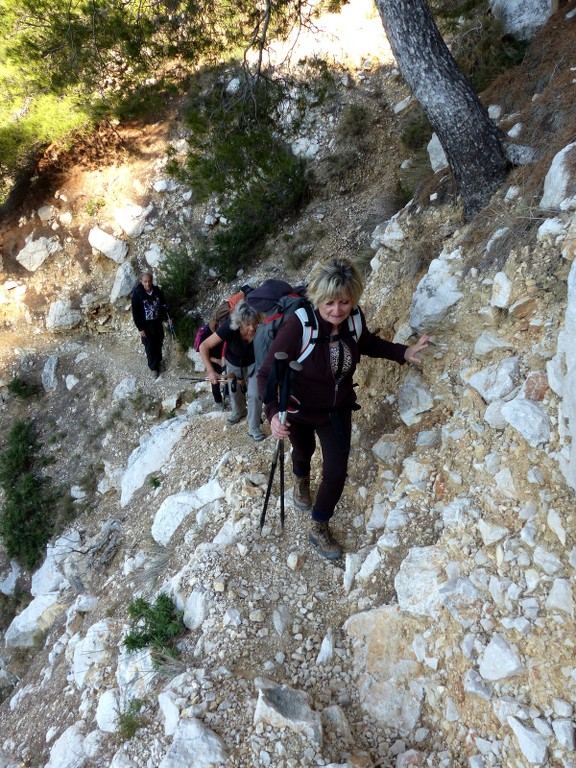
[153, 343]
[334, 436]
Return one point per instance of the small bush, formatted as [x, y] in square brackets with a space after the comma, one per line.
[155, 625]
[130, 720]
[354, 122]
[258, 211]
[22, 388]
[235, 145]
[417, 130]
[31, 506]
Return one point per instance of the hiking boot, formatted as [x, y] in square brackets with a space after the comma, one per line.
[234, 418]
[320, 536]
[302, 498]
[257, 434]
[155, 374]
[218, 406]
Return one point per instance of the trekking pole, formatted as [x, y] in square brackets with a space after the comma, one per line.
[280, 373]
[294, 367]
[206, 378]
[171, 327]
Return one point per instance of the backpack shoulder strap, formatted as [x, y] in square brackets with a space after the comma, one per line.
[307, 317]
[355, 323]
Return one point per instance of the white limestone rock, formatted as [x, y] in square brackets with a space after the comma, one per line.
[437, 292]
[523, 18]
[560, 597]
[38, 616]
[529, 419]
[107, 711]
[533, 746]
[9, 578]
[124, 282]
[559, 183]
[414, 398]
[391, 681]
[493, 415]
[35, 252]
[564, 731]
[196, 609]
[561, 371]
[170, 711]
[438, 159]
[108, 245]
[92, 654]
[62, 317]
[487, 342]
[125, 389]
[132, 219]
[179, 506]
[501, 291]
[151, 455]
[389, 235]
[195, 745]
[282, 706]
[496, 381]
[418, 581]
[500, 660]
[491, 533]
[552, 229]
[154, 255]
[59, 563]
[68, 750]
[135, 675]
[49, 377]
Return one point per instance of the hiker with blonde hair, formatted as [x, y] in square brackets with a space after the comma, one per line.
[323, 394]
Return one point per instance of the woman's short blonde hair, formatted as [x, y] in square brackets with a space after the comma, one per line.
[334, 279]
[243, 314]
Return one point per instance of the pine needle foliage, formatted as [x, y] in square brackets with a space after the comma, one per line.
[155, 625]
[235, 145]
[27, 518]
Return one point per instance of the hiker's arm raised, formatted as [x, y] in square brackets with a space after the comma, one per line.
[212, 341]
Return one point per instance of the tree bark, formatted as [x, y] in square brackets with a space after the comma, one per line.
[473, 144]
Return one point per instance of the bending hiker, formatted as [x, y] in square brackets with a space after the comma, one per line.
[216, 355]
[238, 333]
[324, 397]
[148, 311]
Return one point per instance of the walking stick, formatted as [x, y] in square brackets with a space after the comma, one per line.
[280, 373]
[206, 378]
[294, 367]
[286, 386]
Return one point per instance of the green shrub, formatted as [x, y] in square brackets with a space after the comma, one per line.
[180, 273]
[256, 213]
[416, 131]
[130, 720]
[155, 625]
[22, 388]
[234, 145]
[354, 122]
[33, 509]
[478, 41]
[30, 505]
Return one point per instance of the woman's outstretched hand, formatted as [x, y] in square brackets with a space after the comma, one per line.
[412, 353]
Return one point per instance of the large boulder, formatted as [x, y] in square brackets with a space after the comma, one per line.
[523, 18]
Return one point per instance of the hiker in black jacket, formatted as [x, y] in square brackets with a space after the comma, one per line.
[148, 311]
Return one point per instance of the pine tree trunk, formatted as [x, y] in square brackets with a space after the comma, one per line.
[473, 144]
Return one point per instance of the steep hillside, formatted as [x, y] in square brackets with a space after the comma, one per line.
[446, 635]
